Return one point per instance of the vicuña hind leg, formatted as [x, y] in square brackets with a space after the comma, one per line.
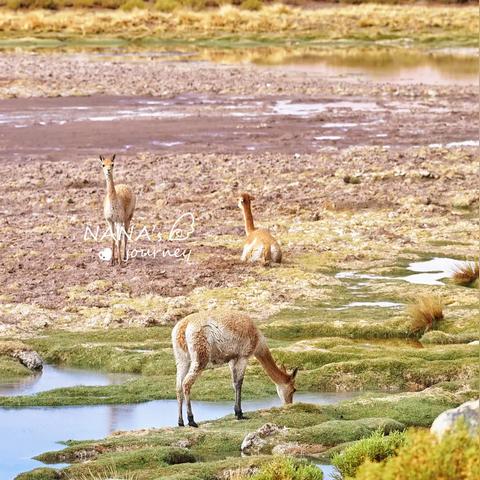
[118, 242]
[182, 369]
[125, 238]
[112, 233]
[193, 373]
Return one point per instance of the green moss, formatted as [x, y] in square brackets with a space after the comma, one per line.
[442, 338]
[288, 469]
[411, 409]
[11, 368]
[335, 432]
[394, 328]
[252, 5]
[130, 5]
[166, 5]
[377, 447]
[40, 474]
[454, 457]
[138, 459]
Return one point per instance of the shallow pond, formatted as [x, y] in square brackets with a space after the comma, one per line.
[375, 62]
[54, 377]
[426, 272]
[26, 432]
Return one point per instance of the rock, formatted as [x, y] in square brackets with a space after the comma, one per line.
[298, 449]
[469, 411]
[255, 442]
[30, 359]
[474, 342]
[184, 443]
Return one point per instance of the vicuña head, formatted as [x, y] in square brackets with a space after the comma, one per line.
[107, 164]
[286, 390]
[259, 245]
[245, 199]
[235, 340]
[118, 208]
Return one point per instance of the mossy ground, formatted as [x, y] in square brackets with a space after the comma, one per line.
[10, 366]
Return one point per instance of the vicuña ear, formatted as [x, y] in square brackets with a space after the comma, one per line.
[294, 373]
[102, 158]
[113, 157]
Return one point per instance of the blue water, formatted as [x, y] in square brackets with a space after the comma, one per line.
[26, 432]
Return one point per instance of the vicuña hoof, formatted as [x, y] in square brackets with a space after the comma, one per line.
[192, 423]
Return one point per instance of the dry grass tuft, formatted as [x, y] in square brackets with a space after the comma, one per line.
[9, 347]
[467, 274]
[426, 312]
[173, 20]
[109, 473]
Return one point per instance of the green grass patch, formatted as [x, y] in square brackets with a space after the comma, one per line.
[424, 457]
[375, 448]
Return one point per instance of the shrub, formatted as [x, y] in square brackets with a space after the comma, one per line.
[83, 3]
[129, 5]
[194, 4]
[375, 448]
[39, 474]
[424, 457]
[441, 338]
[426, 312]
[17, 4]
[466, 275]
[282, 468]
[253, 5]
[47, 4]
[166, 5]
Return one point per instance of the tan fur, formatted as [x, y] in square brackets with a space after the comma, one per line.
[259, 244]
[220, 337]
[118, 208]
[180, 338]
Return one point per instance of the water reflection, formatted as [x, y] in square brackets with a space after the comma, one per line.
[58, 377]
[385, 63]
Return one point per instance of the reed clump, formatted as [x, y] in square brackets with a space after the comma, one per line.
[466, 275]
[425, 313]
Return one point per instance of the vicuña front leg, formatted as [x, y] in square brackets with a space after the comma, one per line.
[237, 367]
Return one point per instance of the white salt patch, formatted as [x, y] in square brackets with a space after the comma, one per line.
[328, 137]
[430, 272]
[466, 143]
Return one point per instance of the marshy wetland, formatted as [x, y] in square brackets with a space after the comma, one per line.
[362, 159]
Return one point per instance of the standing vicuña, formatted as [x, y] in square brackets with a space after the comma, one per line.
[118, 208]
[222, 337]
[259, 242]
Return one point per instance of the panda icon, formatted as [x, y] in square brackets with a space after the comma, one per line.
[105, 254]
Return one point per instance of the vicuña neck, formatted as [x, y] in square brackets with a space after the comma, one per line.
[248, 217]
[110, 186]
[264, 356]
